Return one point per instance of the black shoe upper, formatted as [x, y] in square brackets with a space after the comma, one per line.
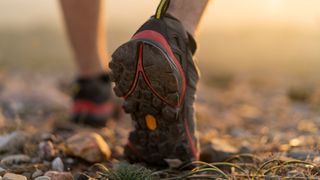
[95, 89]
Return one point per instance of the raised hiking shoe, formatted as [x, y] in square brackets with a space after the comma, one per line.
[155, 74]
[92, 101]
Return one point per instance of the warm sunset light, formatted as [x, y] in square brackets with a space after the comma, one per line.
[159, 89]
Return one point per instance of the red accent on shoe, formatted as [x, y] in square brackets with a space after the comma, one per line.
[193, 148]
[157, 37]
[136, 76]
[91, 107]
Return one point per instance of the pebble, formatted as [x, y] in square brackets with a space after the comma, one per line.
[302, 154]
[2, 171]
[272, 177]
[48, 137]
[54, 175]
[217, 150]
[43, 178]
[80, 176]
[317, 160]
[89, 146]
[13, 142]
[173, 163]
[46, 150]
[57, 164]
[37, 173]
[15, 159]
[28, 175]
[11, 176]
[295, 174]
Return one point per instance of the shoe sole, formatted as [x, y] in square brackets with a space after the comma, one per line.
[153, 89]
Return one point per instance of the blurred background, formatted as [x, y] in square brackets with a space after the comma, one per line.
[259, 59]
[256, 36]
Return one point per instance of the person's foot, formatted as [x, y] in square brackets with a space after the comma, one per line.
[92, 101]
[155, 74]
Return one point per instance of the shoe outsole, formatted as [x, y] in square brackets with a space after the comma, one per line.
[150, 84]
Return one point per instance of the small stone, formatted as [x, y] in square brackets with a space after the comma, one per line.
[217, 150]
[295, 174]
[302, 154]
[48, 137]
[272, 177]
[317, 160]
[2, 171]
[43, 178]
[57, 164]
[89, 146]
[174, 163]
[27, 175]
[245, 148]
[11, 176]
[54, 175]
[13, 142]
[81, 176]
[69, 161]
[295, 142]
[37, 173]
[47, 150]
[15, 159]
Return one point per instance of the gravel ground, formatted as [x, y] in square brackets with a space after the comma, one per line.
[241, 119]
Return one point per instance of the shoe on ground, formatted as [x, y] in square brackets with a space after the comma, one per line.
[155, 74]
[92, 101]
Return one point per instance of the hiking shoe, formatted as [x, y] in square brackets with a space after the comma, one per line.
[92, 101]
[155, 74]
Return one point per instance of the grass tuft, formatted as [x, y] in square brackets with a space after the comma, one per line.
[124, 171]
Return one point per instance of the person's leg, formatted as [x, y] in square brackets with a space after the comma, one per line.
[92, 98]
[86, 30]
[189, 12]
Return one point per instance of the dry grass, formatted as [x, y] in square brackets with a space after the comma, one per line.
[243, 166]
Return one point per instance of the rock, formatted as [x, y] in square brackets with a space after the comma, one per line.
[89, 146]
[15, 159]
[27, 175]
[48, 137]
[245, 148]
[302, 154]
[37, 173]
[272, 177]
[173, 163]
[28, 101]
[13, 142]
[317, 160]
[295, 174]
[81, 176]
[2, 171]
[69, 161]
[43, 178]
[217, 150]
[11, 176]
[47, 150]
[57, 164]
[54, 175]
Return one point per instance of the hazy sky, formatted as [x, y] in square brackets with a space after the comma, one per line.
[30, 12]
